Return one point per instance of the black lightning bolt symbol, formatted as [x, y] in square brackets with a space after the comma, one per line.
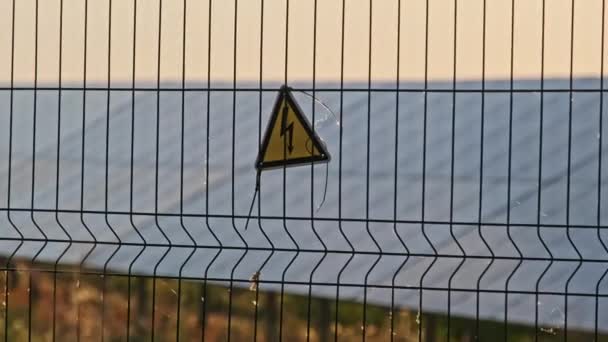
[287, 128]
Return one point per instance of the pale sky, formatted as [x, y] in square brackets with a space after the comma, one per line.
[587, 44]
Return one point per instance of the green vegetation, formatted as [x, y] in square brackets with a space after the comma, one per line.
[68, 304]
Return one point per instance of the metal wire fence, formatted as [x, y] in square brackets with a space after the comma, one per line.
[464, 197]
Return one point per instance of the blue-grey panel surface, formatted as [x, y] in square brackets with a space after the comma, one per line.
[136, 160]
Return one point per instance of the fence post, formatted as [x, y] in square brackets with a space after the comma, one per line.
[324, 319]
[271, 317]
[430, 330]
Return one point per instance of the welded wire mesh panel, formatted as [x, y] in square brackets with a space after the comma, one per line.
[463, 200]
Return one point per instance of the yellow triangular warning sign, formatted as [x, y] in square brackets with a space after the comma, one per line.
[289, 139]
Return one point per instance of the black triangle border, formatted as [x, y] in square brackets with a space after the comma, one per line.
[323, 156]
